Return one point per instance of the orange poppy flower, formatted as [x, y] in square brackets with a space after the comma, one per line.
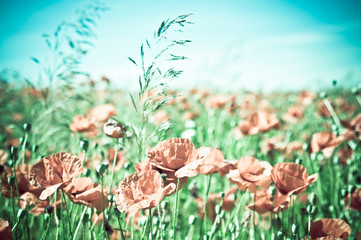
[82, 124]
[22, 176]
[210, 160]
[306, 97]
[330, 227]
[5, 230]
[102, 113]
[172, 154]
[3, 157]
[293, 114]
[114, 129]
[55, 172]
[170, 178]
[215, 198]
[84, 191]
[190, 115]
[293, 147]
[355, 200]
[258, 122]
[326, 142]
[143, 190]
[160, 117]
[251, 173]
[264, 202]
[291, 178]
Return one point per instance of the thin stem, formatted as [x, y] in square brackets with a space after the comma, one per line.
[23, 147]
[67, 214]
[121, 229]
[47, 230]
[208, 179]
[332, 112]
[176, 208]
[79, 223]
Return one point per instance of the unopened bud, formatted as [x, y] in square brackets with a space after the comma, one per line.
[101, 168]
[27, 127]
[84, 145]
[21, 214]
[191, 219]
[12, 180]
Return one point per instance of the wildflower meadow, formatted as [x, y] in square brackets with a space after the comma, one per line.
[82, 158]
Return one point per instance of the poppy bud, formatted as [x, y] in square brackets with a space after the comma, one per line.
[354, 91]
[87, 172]
[14, 152]
[27, 127]
[84, 145]
[191, 219]
[294, 228]
[218, 209]
[231, 228]
[86, 218]
[49, 209]
[279, 235]
[323, 95]
[12, 180]
[111, 198]
[142, 220]
[127, 165]
[331, 208]
[336, 160]
[117, 212]
[155, 220]
[358, 179]
[305, 147]
[299, 161]
[114, 129]
[46, 217]
[101, 168]
[164, 205]
[222, 194]
[343, 193]
[312, 198]
[309, 209]
[223, 213]
[351, 189]
[35, 148]
[21, 214]
[334, 82]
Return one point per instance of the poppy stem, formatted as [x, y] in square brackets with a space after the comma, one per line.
[176, 208]
[308, 226]
[79, 223]
[208, 179]
[332, 112]
[121, 229]
[47, 230]
[23, 147]
[67, 213]
[12, 203]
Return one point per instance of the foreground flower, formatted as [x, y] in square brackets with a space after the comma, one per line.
[22, 176]
[5, 230]
[210, 160]
[170, 175]
[293, 114]
[265, 202]
[326, 142]
[291, 178]
[55, 172]
[251, 173]
[84, 191]
[172, 154]
[330, 227]
[143, 190]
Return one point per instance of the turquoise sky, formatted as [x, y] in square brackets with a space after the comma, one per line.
[258, 45]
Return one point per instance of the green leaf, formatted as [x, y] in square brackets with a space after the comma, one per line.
[133, 61]
[135, 107]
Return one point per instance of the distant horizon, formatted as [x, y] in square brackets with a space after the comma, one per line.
[260, 46]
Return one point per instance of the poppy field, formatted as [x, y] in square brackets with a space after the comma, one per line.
[87, 160]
